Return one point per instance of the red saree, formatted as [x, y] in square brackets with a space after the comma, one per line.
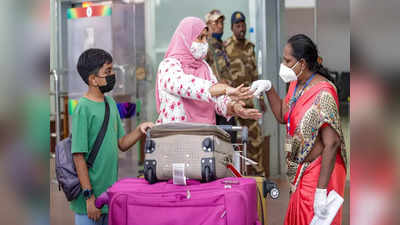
[315, 109]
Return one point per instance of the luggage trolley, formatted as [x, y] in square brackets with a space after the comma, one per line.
[240, 160]
[269, 187]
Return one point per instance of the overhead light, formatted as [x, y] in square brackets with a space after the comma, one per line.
[300, 4]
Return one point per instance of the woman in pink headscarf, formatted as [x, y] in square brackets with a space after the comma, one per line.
[186, 88]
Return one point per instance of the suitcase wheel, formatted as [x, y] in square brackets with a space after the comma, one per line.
[208, 169]
[150, 176]
[207, 174]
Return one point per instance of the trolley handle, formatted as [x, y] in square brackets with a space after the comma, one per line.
[244, 130]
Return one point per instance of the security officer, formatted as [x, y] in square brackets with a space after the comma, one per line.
[243, 69]
[217, 57]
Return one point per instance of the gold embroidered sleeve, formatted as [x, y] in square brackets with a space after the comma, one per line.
[328, 111]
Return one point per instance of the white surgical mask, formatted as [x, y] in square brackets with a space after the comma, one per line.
[199, 49]
[287, 74]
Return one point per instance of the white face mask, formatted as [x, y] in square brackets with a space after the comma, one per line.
[287, 74]
[199, 49]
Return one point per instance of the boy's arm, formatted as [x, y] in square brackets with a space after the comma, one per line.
[83, 175]
[82, 170]
[80, 147]
[130, 139]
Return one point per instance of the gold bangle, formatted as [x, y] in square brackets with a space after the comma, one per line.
[226, 89]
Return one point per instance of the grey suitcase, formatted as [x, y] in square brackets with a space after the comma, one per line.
[203, 150]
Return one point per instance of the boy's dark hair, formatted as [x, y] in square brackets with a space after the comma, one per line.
[90, 61]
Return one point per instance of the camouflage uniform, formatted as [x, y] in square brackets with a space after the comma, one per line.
[218, 60]
[243, 69]
[219, 63]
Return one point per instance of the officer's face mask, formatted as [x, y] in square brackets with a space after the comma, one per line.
[287, 74]
[218, 36]
[110, 79]
[199, 49]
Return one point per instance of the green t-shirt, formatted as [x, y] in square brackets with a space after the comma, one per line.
[86, 123]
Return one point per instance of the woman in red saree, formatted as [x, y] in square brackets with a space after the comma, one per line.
[316, 155]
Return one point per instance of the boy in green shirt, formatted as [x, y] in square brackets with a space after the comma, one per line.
[95, 68]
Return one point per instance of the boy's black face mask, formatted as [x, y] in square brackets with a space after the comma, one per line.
[110, 79]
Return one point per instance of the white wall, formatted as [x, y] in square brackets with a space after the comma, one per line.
[333, 30]
[333, 33]
[299, 20]
[300, 4]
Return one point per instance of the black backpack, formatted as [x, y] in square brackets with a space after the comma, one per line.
[65, 167]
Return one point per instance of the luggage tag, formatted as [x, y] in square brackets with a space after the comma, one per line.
[178, 174]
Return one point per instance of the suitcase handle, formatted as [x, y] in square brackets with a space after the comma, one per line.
[148, 133]
[188, 182]
[230, 182]
[102, 200]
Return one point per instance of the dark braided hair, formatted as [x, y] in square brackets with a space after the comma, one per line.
[304, 48]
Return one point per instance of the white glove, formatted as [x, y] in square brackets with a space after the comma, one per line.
[259, 86]
[320, 203]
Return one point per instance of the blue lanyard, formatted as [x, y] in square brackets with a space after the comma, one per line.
[294, 99]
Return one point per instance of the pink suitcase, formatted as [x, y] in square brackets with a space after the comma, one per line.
[133, 201]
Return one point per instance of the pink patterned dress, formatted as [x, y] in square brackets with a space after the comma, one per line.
[174, 85]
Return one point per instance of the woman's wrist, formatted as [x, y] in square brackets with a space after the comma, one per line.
[229, 90]
[218, 89]
[234, 107]
[237, 107]
[230, 106]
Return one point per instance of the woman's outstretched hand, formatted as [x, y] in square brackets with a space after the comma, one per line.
[239, 93]
[245, 113]
[236, 94]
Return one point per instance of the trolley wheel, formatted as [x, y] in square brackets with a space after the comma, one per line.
[274, 193]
